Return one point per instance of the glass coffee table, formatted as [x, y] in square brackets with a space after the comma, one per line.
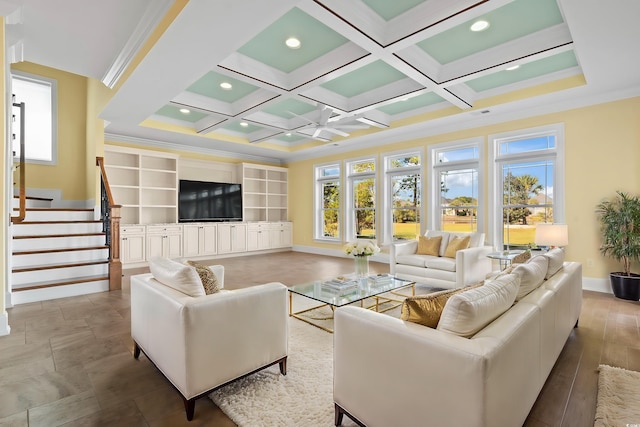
[348, 290]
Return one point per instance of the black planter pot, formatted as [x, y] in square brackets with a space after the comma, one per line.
[625, 287]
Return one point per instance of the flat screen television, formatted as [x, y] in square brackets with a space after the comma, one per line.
[209, 201]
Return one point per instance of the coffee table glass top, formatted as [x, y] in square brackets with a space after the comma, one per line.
[365, 288]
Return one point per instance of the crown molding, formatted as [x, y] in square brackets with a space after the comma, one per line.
[152, 16]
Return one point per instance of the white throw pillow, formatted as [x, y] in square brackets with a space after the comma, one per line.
[556, 261]
[468, 312]
[178, 276]
[531, 275]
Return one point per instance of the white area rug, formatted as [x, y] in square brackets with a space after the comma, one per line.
[618, 402]
[303, 397]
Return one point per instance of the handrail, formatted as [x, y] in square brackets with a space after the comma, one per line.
[23, 194]
[110, 216]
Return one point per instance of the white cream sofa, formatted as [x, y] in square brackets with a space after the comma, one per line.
[393, 372]
[469, 266]
[201, 343]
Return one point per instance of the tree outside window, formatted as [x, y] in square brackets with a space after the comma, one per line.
[328, 196]
[405, 195]
[363, 199]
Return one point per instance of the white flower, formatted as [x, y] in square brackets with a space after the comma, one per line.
[361, 248]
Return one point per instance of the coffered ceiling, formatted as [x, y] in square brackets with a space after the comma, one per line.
[222, 78]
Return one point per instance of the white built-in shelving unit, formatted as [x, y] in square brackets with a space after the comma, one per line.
[264, 191]
[145, 183]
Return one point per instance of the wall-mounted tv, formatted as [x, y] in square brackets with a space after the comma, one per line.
[209, 201]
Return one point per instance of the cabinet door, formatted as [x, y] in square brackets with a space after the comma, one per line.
[239, 238]
[155, 245]
[252, 238]
[208, 238]
[173, 245]
[224, 238]
[286, 236]
[132, 248]
[191, 240]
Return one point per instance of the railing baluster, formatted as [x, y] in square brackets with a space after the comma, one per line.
[110, 216]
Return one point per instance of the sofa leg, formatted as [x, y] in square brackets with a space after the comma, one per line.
[136, 350]
[283, 366]
[338, 414]
[576, 325]
[189, 407]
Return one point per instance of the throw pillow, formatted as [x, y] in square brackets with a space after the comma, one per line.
[468, 312]
[556, 261]
[455, 244]
[429, 245]
[531, 275]
[207, 276]
[426, 309]
[521, 258]
[177, 276]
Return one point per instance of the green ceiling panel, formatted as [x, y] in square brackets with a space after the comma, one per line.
[236, 127]
[364, 79]
[551, 64]
[209, 85]
[414, 103]
[290, 138]
[268, 46]
[174, 112]
[509, 22]
[281, 109]
[390, 9]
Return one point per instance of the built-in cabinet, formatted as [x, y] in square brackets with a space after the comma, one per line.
[132, 244]
[164, 241]
[264, 190]
[200, 239]
[232, 237]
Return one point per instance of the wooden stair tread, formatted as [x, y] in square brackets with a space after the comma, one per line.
[45, 251]
[62, 221]
[58, 265]
[34, 198]
[47, 236]
[56, 209]
[54, 283]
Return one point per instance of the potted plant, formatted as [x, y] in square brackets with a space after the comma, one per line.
[620, 226]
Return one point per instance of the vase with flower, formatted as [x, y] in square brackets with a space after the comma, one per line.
[361, 251]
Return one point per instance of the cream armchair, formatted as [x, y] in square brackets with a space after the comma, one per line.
[201, 343]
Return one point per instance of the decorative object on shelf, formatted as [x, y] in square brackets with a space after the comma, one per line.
[552, 235]
[620, 226]
[361, 251]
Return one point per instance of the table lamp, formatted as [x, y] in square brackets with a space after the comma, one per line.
[552, 235]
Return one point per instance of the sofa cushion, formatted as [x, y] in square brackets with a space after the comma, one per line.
[556, 261]
[415, 260]
[440, 263]
[207, 277]
[531, 275]
[429, 245]
[444, 242]
[476, 238]
[468, 312]
[178, 276]
[456, 243]
[426, 309]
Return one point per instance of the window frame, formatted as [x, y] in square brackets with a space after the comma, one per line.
[318, 233]
[497, 161]
[434, 218]
[387, 203]
[53, 85]
[350, 177]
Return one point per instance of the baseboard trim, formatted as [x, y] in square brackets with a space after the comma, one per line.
[4, 324]
[44, 294]
[596, 285]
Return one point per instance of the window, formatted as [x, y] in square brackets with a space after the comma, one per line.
[528, 183]
[361, 208]
[403, 196]
[455, 186]
[39, 97]
[328, 202]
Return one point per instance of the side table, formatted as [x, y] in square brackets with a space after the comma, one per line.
[505, 258]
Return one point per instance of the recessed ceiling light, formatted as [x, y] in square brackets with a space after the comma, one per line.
[293, 43]
[288, 134]
[479, 26]
[184, 111]
[513, 67]
[226, 85]
[244, 124]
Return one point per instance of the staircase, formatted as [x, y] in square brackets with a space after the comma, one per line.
[57, 253]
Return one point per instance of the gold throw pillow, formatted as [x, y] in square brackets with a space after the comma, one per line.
[427, 309]
[455, 245]
[207, 276]
[521, 258]
[429, 245]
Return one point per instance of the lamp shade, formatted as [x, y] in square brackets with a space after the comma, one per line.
[552, 235]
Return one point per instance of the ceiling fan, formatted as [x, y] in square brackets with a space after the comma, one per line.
[327, 123]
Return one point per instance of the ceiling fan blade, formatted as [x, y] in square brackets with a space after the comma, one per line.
[317, 132]
[335, 131]
[325, 114]
[303, 118]
[352, 127]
